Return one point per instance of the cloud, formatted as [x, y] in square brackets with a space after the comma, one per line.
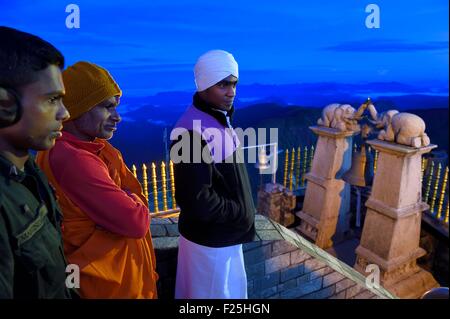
[157, 122]
[388, 46]
[90, 40]
[154, 67]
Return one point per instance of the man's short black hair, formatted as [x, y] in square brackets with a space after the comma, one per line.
[22, 55]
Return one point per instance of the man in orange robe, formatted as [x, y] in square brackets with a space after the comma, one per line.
[106, 217]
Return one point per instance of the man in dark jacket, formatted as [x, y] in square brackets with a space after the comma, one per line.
[32, 264]
[213, 189]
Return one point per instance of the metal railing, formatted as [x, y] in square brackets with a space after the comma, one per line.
[160, 191]
[297, 163]
[300, 164]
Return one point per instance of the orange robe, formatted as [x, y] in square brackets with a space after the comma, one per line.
[111, 265]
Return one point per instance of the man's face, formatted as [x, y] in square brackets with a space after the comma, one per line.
[42, 112]
[101, 121]
[222, 94]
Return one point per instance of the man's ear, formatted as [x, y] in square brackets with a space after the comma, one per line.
[203, 93]
[10, 108]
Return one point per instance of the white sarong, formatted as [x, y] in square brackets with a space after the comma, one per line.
[210, 273]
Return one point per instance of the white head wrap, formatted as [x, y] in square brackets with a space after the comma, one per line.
[212, 67]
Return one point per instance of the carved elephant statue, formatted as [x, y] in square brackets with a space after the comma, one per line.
[402, 128]
[339, 116]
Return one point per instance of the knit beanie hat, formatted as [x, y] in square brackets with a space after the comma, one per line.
[86, 86]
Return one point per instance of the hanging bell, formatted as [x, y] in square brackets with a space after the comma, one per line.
[356, 174]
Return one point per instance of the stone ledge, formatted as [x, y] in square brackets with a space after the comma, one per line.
[332, 132]
[396, 213]
[274, 269]
[330, 260]
[398, 149]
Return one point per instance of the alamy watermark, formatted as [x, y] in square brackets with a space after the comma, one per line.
[225, 145]
[373, 19]
[73, 277]
[73, 19]
[373, 278]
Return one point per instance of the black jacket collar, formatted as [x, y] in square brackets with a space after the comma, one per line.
[9, 170]
[208, 108]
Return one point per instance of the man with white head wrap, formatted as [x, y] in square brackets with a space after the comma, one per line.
[212, 67]
[214, 194]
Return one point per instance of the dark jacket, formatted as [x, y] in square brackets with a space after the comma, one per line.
[32, 264]
[214, 196]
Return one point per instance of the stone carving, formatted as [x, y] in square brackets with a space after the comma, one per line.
[402, 128]
[339, 116]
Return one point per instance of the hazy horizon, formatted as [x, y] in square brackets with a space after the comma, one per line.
[151, 46]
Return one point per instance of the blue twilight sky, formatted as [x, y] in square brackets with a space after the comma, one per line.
[151, 46]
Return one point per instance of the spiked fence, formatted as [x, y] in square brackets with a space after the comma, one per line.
[161, 191]
[161, 198]
[296, 166]
[435, 190]
[434, 178]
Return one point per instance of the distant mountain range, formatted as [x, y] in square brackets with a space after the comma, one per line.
[291, 108]
[391, 94]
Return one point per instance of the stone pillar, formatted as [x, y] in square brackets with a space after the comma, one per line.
[391, 231]
[343, 230]
[325, 190]
[276, 203]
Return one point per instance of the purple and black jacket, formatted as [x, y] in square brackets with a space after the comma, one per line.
[213, 192]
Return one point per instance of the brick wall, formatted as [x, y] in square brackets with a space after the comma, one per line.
[295, 268]
[278, 269]
[279, 264]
